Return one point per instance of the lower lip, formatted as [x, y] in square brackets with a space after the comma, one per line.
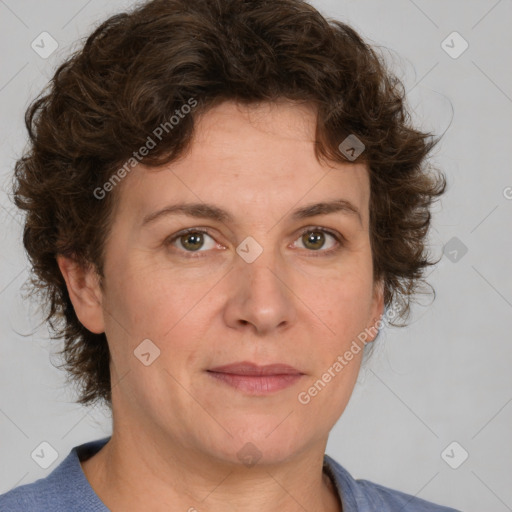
[257, 384]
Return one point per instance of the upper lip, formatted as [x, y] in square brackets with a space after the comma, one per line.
[248, 368]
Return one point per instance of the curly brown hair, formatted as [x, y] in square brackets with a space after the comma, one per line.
[138, 68]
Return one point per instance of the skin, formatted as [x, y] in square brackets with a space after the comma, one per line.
[176, 430]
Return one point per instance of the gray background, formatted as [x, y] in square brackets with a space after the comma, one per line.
[444, 378]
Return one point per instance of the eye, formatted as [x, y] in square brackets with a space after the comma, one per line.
[191, 240]
[314, 239]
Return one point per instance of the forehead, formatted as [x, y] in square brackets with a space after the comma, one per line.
[251, 159]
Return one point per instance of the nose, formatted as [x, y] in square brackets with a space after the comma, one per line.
[260, 298]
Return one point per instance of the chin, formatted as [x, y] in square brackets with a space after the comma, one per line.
[260, 443]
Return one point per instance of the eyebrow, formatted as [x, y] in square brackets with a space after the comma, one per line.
[210, 211]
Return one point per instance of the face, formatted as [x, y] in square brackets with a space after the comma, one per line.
[260, 285]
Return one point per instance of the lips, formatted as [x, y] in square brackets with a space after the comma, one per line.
[252, 379]
[251, 369]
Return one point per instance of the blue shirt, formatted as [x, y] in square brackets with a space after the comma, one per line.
[66, 489]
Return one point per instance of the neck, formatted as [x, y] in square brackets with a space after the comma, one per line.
[136, 472]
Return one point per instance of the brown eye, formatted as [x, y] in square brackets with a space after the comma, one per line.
[315, 239]
[191, 241]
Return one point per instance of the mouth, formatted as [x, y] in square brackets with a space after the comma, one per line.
[253, 379]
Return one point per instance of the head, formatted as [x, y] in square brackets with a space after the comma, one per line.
[244, 107]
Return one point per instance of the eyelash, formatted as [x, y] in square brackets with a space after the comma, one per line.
[337, 236]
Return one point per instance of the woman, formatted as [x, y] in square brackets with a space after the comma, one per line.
[223, 200]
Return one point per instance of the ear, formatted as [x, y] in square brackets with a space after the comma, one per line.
[85, 293]
[377, 309]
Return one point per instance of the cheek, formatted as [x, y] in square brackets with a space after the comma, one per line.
[146, 300]
[343, 305]
[144, 306]
[150, 305]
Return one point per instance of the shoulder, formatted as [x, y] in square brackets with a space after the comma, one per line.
[32, 497]
[391, 498]
[65, 489]
[367, 496]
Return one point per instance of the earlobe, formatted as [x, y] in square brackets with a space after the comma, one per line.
[377, 309]
[84, 292]
[379, 299]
